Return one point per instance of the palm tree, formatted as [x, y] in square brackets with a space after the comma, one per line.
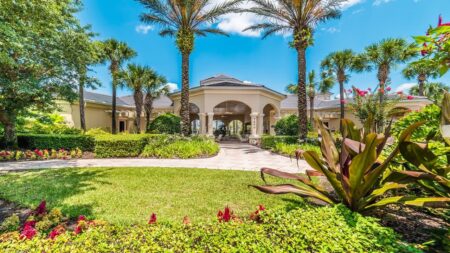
[422, 70]
[155, 87]
[312, 88]
[116, 52]
[135, 77]
[185, 19]
[338, 64]
[385, 55]
[433, 91]
[298, 17]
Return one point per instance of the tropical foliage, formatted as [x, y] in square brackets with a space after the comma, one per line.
[421, 70]
[287, 125]
[355, 173]
[338, 64]
[153, 89]
[165, 124]
[430, 115]
[432, 90]
[116, 53]
[184, 20]
[299, 18]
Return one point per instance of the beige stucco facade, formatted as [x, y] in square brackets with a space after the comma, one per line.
[219, 106]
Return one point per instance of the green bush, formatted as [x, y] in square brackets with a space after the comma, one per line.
[97, 131]
[165, 124]
[430, 114]
[123, 145]
[166, 146]
[309, 229]
[287, 125]
[44, 123]
[55, 141]
[289, 149]
[269, 141]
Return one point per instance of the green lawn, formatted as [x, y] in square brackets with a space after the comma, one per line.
[130, 195]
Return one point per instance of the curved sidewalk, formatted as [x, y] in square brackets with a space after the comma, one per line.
[232, 156]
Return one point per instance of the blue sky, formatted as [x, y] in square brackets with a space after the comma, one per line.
[270, 62]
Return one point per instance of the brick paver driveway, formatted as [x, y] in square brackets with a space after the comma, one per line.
[232, 156]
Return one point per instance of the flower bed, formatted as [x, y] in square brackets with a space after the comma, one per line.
[38, 154]
[305, 229]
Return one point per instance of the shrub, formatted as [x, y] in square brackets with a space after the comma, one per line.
[97, 131]
[12, 223]
[165, 124]
[44, 123]
[289, 149]
[53, 141]
[269, 141]
[429, 114]
[309, 229]
[124, 145]
[287, 125]
[165, 146]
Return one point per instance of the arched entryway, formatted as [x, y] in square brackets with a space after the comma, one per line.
[269, 119]
[235, 116]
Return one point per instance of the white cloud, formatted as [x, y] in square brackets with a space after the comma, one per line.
[247, 82]
[172, 87]
[380, 2]
[405, 87]
[358, 11]
[349, 3]
[144, 29]
[331, 30]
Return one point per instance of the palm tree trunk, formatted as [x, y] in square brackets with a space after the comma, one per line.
[81, 104]
[138, 100]
[311, 111]
[422, 78]
[342, 103]
[383, 74]
[148, 106]
[114, 109]
[301, 94]
[184, 113]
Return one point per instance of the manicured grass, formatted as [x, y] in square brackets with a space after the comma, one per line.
[130, 195]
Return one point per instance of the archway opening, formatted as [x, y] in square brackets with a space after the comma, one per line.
[235, 117]
[270, 113]
[194, 118]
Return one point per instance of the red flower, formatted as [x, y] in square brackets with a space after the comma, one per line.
[152, 219]
[81, 218]
[399, 92]
[38, 153]
[78, 230]
[28, 232]
[56, 232]
[226, 215]
[30, 223]
[220, 215]
[41, 209]
[409, 97]
[343, 101]
[255, 215]
[381, 91]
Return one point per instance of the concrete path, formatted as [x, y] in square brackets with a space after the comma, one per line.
[232, 156]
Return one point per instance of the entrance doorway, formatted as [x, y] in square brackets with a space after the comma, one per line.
[231, 120]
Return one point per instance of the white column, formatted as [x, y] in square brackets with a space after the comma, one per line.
[254, 122]
[202, 117]
[261, 124]
[210, 123]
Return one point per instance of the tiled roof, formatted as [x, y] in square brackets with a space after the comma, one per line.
[162, 102]
[102, 99]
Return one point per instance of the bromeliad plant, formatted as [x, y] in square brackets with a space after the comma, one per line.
[353, 175]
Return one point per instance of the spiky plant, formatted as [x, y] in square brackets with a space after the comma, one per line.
[184, 20]
[298, 17]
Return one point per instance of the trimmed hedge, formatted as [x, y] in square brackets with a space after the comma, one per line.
[269, 141]
[126, 145]
[308, 229]
[166, 146]
[55, 141]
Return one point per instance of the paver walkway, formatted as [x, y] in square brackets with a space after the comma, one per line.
[232, 156]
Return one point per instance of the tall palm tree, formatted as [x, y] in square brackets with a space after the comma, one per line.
[117, 53]
[433, 91]
[385, 55]
[185, 19]
[155, 87]
[422, 70]
[312, 88]
[338, 64]
[298, 17]
[135, 77]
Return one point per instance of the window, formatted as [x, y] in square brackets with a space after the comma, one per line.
[122, 126]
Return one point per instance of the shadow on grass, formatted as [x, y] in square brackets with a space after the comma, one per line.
[28, 189]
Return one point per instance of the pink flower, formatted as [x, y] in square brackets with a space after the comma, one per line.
[152, 219]
[369, 89]
[409, 97]
[343, 101]
[28, 232]
[56, 232]
[81, 218]
[388, 89]
[399, 92]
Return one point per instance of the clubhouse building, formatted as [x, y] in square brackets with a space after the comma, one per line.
[220, 105]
